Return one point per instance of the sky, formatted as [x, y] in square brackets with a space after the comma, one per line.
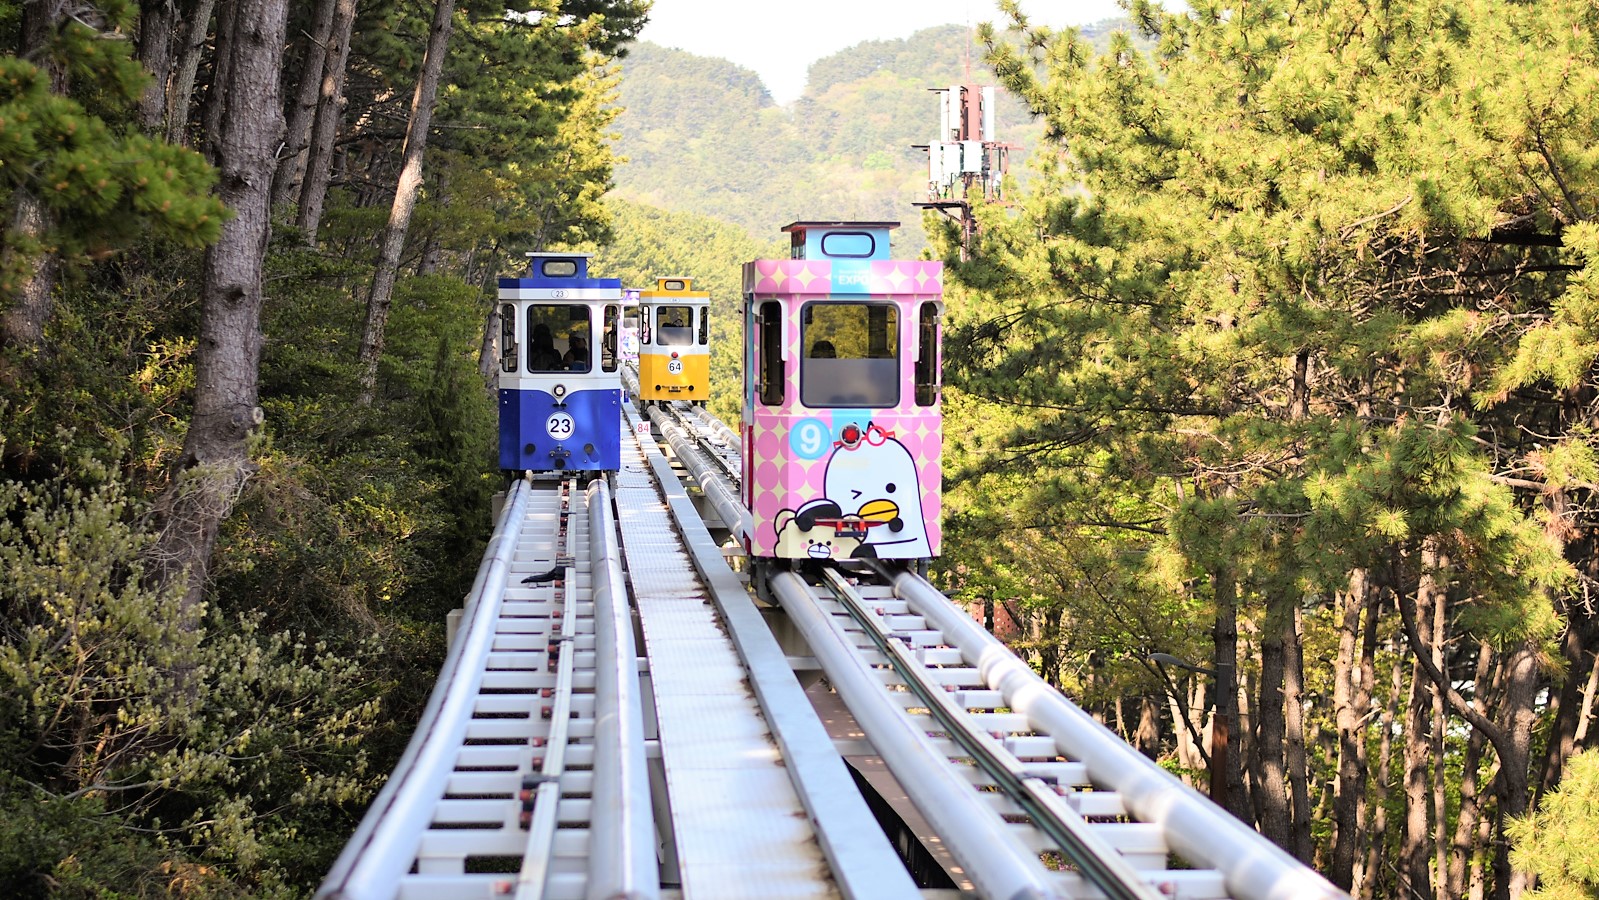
[779, 39]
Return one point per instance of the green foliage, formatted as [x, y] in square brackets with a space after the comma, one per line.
[211, 738]
[703, 135]
[653, 243]
[1302, 293]
[106, 188]
[1556, 842]
[227, 752]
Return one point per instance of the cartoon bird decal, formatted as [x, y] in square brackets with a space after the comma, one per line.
[872, 477]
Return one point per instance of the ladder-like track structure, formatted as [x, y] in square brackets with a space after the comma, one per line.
[619, 717]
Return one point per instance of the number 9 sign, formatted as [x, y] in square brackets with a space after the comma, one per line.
[560, 425]
[810, 438]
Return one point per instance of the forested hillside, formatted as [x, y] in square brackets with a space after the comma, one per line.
[702, 135]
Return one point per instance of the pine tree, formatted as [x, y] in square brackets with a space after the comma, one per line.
[77, 179]
[1556, 842]
[1293, 294]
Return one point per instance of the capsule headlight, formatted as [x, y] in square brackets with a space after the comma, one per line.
[559, 391]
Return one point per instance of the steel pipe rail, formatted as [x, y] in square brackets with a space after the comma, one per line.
[705, 431]
[712, 437]
[718, 428]
[384, 845]
[622, 861]
[1101, 864]
[986, 847]
[543, 820]
[722, 496]
[1253, 867]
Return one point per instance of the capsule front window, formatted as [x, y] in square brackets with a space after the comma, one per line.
[850, 355]
[556, 330]
[674, 325]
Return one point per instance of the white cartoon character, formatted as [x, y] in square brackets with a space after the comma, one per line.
[817, 531]
[872, 477]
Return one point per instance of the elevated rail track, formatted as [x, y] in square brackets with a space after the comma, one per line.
[619, 717]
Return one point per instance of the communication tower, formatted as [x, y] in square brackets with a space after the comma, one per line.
[966, 161]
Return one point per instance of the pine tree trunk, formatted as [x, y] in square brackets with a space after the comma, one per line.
[1423, 759]
[1567, 704]
[1479, 864]
[1464, 851]
[325, 130]
[1351, 704]
[1414, 852]
[22, 326]
[1271, 786]
[1373, 880]
[180, 93]
[1147, 737]
[211, 113]
[155, 52]
[1294, 723]
[215, 461]
[1434, 561]
[1188, 749]
[1511, 735]
[1243, 724]
[1226, 778]
[296, 132]
[1523, 681]
[405, 194]
[1581, 737]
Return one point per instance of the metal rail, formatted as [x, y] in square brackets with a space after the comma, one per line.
[623, 854]
[1101, 864]
[987, 848]
[713, 478]
[718, 429]
[1254, 868]
[384, 845]
[531, 752]
[525, 775]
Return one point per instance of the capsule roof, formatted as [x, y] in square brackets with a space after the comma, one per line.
[839, 240]
[553, 268]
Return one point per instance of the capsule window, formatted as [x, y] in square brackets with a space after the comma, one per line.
[927, 369]
[558, 268]
[850, 352]
[705, 326]
[674, 325]
[508, 346]
[608, 337]
[558, 338]
[848, 244]
[770, 325]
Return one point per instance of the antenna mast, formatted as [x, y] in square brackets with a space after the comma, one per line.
[965, 161]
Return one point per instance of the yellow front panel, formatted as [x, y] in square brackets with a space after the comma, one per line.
[657, 383]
